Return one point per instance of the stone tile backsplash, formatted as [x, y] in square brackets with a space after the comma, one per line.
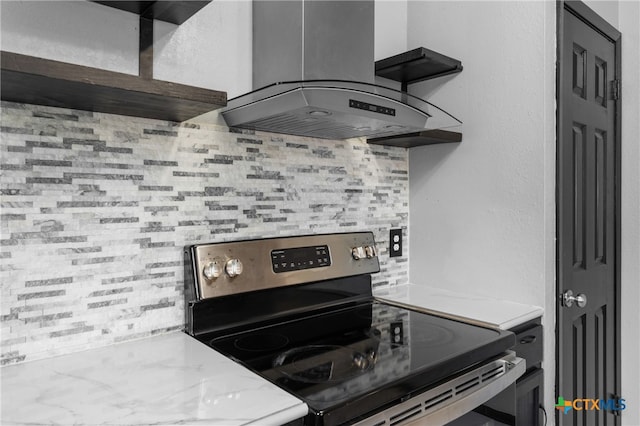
[96, 209]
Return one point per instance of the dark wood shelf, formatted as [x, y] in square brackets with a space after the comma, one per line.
[175, 12]
[417, 65]
[27, 79]
[410, 140]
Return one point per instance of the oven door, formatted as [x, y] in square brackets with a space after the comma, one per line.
[498, 411]
[483, 396]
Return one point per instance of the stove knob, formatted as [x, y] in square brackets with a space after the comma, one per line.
[370, 251]
[358, 253]
[233, 267]
[212, 270]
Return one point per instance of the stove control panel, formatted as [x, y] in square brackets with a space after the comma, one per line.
[226, 268]
[298, 258]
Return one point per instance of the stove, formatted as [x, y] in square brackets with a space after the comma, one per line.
[299, 312]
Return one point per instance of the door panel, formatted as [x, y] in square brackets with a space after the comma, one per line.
[579, 167]
[601, 201]
[587, 220]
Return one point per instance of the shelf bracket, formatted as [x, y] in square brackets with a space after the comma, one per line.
[145, 58]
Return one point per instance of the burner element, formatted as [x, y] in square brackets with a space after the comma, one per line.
[324, 363]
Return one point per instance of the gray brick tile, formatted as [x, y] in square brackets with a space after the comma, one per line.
[107, 203]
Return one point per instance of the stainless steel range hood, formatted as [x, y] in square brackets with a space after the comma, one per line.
[313, 75]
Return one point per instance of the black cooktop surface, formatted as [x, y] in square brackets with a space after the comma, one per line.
[361, 356]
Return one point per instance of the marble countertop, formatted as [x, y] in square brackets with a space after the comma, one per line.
[168, 379]
[493, 312]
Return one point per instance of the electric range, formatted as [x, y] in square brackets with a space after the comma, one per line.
[299, 312]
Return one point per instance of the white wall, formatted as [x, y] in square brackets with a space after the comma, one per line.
[78, 32]
[628, 24]
[482, 213]
[212, 49]
[390, 28]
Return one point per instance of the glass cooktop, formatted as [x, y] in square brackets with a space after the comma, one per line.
[369, 351]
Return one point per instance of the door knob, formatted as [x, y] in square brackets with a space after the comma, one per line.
[568, 298]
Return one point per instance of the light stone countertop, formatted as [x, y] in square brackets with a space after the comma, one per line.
[493, 312]
[163, 380]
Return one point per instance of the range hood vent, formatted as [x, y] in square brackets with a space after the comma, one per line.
[313, 71]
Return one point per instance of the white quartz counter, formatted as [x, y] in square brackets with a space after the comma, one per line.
[169, 379]
[497, 313]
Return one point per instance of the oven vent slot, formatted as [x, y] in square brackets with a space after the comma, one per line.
[492, 373]
[469, 384]
[405, 415]
[438, 399]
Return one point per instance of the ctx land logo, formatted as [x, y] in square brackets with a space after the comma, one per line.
[590, 404]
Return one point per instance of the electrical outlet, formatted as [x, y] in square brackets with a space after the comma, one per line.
[396, 333]
[395, 242]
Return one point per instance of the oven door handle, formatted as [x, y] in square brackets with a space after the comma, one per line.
[448, 401]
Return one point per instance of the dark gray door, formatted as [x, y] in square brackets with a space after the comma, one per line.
[588, 212]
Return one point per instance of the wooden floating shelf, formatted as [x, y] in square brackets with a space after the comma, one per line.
[417, 65]
[175, 12]
[410, 140]
[31, 80]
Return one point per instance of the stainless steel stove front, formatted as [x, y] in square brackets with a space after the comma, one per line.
[222, 269]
